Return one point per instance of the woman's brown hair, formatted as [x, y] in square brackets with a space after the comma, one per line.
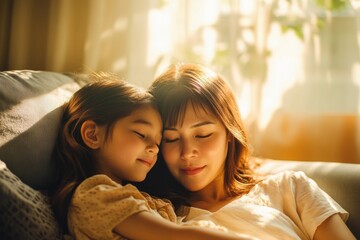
[104, 100]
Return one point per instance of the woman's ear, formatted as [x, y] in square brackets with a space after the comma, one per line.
[229, 136]
[90, 134]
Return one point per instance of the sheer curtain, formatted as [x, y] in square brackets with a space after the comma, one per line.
[294, 65]
[80, 35]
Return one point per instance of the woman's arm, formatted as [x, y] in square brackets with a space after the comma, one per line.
[333, 228]
[144, 226]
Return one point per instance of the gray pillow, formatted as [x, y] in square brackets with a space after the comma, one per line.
[25, 212]
[29, 116]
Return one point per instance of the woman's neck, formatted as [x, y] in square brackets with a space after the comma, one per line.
[212, 197]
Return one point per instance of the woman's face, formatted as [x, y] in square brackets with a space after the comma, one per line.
[195, 150]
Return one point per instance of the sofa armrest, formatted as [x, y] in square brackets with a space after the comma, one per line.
[340, 180]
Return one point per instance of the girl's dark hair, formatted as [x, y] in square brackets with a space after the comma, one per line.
[191, 83]
[104, 100]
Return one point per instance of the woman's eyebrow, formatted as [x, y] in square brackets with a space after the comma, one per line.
[202, 124]
[192, 126]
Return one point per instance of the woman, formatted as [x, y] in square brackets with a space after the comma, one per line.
[206, 151]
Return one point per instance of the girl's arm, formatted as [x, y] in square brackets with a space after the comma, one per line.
[144, 225]
[333, 228]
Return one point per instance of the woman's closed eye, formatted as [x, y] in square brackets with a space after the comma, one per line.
[199, 136]
[170, 140]
[203, 135]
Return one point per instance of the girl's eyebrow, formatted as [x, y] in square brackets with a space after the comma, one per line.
[142, 121]
[192, 126]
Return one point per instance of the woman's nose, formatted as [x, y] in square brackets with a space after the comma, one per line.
[188, 149]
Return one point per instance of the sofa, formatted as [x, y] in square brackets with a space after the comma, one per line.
[29, 115]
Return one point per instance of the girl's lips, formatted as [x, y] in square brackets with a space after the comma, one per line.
[146, 162]
[192, 171]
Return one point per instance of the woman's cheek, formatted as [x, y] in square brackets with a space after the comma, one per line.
[168, 153]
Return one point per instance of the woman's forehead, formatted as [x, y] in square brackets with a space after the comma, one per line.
[195, 108]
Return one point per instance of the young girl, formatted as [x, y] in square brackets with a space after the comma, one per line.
[206, 152]
[110, 133]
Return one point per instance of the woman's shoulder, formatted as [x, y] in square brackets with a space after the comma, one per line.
[287, 174]
[273, 189]
[287, 177]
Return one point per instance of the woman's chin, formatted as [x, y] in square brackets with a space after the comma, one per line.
[192, 187]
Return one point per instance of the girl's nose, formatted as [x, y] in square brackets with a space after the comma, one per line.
[153, 148]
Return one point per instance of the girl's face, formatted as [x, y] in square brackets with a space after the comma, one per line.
[195, 151]
[130, 151]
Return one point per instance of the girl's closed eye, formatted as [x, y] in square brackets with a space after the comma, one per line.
[139, 134]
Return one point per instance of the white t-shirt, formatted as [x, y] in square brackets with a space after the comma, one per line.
[287, 205]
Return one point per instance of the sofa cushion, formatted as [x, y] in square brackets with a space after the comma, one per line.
[339, 180]
[29, 115]
[25, 212]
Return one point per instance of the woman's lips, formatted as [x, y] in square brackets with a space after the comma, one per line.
[192, 170]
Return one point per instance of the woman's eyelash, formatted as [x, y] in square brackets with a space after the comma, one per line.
[204, 136]
[167, 140]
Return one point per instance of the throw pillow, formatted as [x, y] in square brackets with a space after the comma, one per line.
[25, 212]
